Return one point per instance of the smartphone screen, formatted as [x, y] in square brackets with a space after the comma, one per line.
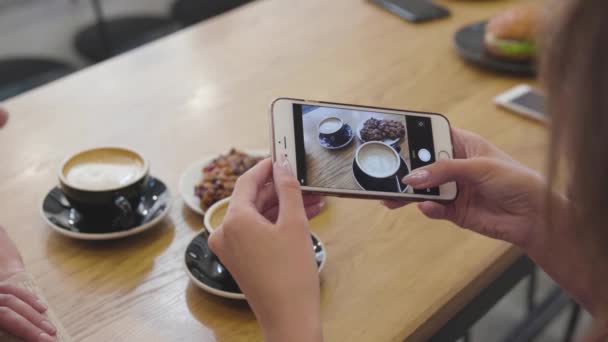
[414, 10]
[525, 100]
[532, 100]
[349, 149]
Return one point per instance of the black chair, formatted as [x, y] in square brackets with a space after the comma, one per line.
[18, 75]
[188, 12]
[108, 38]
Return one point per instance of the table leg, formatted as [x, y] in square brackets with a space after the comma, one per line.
[540, 317]
[572, 322]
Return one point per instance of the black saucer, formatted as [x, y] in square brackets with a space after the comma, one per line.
[339, 140]
[392, 184]
[469, 42]
[208, 273]
[59, 214]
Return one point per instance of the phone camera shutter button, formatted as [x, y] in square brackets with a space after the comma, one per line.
[424, 155]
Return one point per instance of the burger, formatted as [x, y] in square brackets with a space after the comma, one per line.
[512, 34]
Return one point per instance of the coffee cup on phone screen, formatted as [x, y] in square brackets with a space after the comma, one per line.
[377, 160]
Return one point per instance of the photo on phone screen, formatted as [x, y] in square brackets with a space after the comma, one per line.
[351, 149]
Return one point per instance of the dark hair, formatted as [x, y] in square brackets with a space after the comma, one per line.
[574, 70]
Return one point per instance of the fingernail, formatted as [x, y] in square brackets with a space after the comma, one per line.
[284, 163]
[48, 327]
[416, 177]
[44, 337]
[42, 305]
[321, 204]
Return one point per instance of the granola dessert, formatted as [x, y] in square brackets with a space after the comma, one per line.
[220, 175]
[379, 129]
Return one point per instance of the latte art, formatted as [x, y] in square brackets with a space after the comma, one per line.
[378, 160]
[103, 170]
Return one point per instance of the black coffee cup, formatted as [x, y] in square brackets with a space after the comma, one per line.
[105, 184]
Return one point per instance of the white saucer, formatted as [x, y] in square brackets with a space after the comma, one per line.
[192, 176]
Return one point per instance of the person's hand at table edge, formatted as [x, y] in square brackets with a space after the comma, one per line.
[271, 256]
[21, 313]
[3, 117]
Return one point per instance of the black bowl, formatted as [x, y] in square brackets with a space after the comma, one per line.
[469, 42]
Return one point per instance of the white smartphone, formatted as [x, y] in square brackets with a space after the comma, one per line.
[358, 151]
[524, 100]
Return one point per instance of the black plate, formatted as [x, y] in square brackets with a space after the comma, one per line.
[392, 184]
[206, 268]
[340, 141]
[469, 42]
[154, 202]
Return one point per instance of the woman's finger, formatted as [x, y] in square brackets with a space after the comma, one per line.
[25, 296]
[433, 210]
[20, 327]
[24, 310]
[394, 204]
[249, 184]
[267, 197]
[289, 193]
[3, 117]
[312, 209]
[216, 241]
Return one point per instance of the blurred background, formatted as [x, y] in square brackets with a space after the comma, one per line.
[43, 40]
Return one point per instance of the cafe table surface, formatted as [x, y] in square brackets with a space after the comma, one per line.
[390, 275]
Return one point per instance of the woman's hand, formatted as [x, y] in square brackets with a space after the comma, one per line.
[497, 196]
[268, 250]
[21, 314]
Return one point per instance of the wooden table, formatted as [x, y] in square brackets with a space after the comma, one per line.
[391, 275]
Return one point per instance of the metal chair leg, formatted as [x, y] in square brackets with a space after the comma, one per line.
[572, 322]
[101, 27]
